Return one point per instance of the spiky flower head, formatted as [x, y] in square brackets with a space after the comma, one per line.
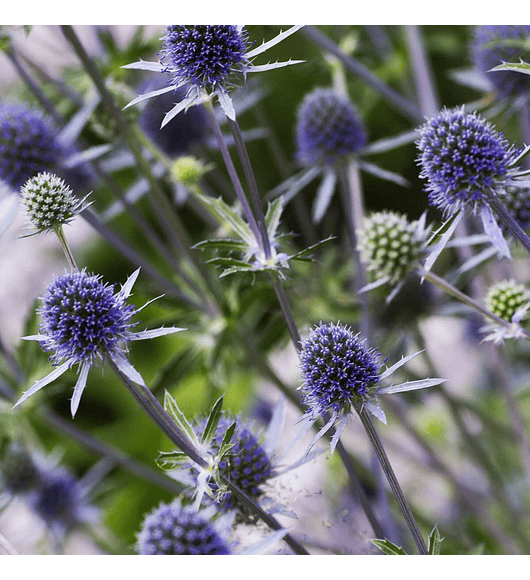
[246, 464]
[507, 299]
[49, 201]
[28, 144]
[205, 55]
[176, 529]
[83, 318]
[391, 246]
[517, 202]
[462, 158]
[18, 472]
[185, 130]
[328, 128]
[338, 369]
[494, 44]
[60, 501]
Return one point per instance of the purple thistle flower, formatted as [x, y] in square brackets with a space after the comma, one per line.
[83, 320]
[174, 529]
[338, 370]
[328, 128]
[462, 159]
[28, 144]
[205, 55]
[490, 50]
[60, 501]
[246, 464]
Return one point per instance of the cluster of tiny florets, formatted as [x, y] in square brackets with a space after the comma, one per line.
[462, 159]
[18, 472]
[49, 201]
[205, 55]
[506, 298]
[28, 144]
[490, 49]
[82, 317]
[59, 500]
[184, 131]
[246, 464]
[390, 245]
[174, 529]
[338, 369]
[328, 128]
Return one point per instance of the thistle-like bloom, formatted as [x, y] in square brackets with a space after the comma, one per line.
[465, 162]
[246, 464]
[60, 500]
[50, 202]
[28, 144]
[511, 302]
[340, 373]
[462, 158]
[210, 60]
[18, 472]
[176, 529]
[495, 44]
[83, 320]
[328, 128]
[392, 247]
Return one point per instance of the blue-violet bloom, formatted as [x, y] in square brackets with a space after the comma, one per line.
[340, 373]
[209, 60]
[83, 320]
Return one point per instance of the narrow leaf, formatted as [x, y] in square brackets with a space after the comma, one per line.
[213, 421]
[272, 65]
[434, 542]
[273, 215]
[520, 67]
[400, 363]
[171, 406]
[323, 196]
[384, 173]
[389, 548]
[179, 107]
[149, 95]
[494, 232]
[145, 65]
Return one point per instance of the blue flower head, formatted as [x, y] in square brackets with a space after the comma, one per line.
[175, 529]
[60, 501]
[491, 47]
[203, 56]
[208, 59]
[328, 128]
[83, 320]
[462, 158]
[28, 144]
[246, 464]
[338, 370]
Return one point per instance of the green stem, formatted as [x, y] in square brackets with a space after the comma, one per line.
[66, 249]
[392, 480]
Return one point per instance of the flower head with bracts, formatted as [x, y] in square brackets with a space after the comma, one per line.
[340, 374]
[84, 321]
[209, 60]
[467, 166]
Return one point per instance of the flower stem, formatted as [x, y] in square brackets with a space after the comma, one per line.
[66, 248]
[392, 480]
[471, 302]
